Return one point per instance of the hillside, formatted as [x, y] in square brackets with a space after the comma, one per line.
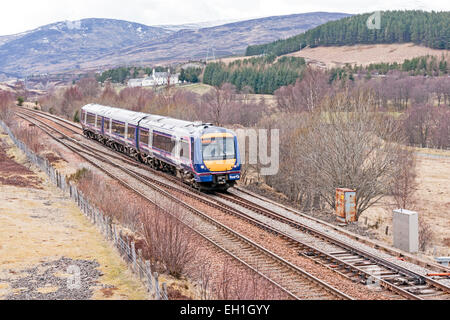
[95, 43]
[336, 56]
[431, 29]
[61, 44]
[226, 40]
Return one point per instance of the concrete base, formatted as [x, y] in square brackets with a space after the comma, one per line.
[406, 230]
[445, 261]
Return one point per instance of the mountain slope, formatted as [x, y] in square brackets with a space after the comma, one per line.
[92, 43]
[431, 29]
[70, 43]
[222, 40]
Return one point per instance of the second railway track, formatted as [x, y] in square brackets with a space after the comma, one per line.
[345, 259]
[295, 282]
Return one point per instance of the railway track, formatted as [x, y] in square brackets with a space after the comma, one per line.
[370, 243]
[355, 263]
[342, 257]
[295, 282]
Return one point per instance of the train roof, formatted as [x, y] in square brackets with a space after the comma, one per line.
[115, 113]
[150, 120]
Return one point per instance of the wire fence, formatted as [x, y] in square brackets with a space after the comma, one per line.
[134, 257]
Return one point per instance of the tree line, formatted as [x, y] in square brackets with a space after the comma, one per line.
[121, 74]
[431, 66]
[431, 29]
[263, 75]
[190, 74]
[426, 66]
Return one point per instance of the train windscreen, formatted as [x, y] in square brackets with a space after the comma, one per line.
[218, 148]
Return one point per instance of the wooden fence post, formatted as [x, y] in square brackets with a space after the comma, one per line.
[133, 255]
[157, 293]
[149, 275]
[115, 234]
[140, 259]
[108, 228]
[102, 223]
[165, 296]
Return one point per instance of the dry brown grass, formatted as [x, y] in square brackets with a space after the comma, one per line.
[38, 225]
[28, 134]
[432, 204]
[366, 54]
[13, 173]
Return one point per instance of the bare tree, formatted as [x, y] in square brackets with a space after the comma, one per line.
[104, 194]
[306, 94]
[441, 88]
[89, 87]
[312, 88]
[168, 241]
[109, 96]
[28, 134]
[404, 185]
[425, 234]
[224, 287]
[72, 98]
[440, 136]
[205, 280]
[217, 101]
[419, 122]
[136, 99]
[6, 105]
[346, 143]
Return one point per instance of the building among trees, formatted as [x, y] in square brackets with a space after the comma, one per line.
[155, 79]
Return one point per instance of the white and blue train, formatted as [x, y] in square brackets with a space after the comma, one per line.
[203, 155]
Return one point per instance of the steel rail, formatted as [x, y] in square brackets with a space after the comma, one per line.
[273, 215]
[280, 261]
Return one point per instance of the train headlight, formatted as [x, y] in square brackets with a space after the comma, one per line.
[202, 166]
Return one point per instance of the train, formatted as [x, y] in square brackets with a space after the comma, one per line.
[200, 154]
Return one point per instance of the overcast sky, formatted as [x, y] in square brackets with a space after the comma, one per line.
[20, 15]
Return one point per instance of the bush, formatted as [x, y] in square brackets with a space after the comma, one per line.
[20, 101]
[425, 234]
[28, 134]
[168, 241]
[76, 116]
[79, 174]
[6, 103]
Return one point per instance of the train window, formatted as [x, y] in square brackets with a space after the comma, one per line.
[217, 148]
[118, 128]
[90, 119]
[163, 143]
[143, 136]
[83, 118]
[99, 122]
[184, 149]
[131, 134]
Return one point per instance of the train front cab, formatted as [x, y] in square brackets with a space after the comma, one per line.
[217, 160]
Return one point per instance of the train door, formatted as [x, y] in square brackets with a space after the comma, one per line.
[136, 137]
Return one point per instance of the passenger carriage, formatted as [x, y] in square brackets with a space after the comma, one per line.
[203, 155]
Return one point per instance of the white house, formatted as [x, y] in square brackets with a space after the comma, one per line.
[155, 79]
[135, 83]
